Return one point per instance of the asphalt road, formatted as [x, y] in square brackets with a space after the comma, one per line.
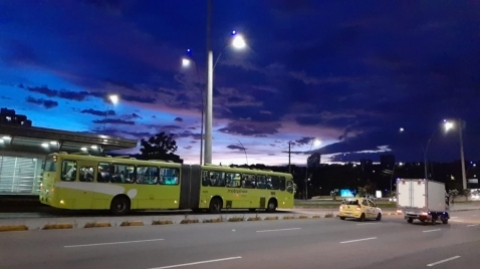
[324, 243]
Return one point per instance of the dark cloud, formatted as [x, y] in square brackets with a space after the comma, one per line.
[304, 140]
[64, 94]
[132, 116]
[138, 99]
[187, 134]
[178, 119]
[45, 103]
[98, 112]
[114, 121]
[249, 128]
[235, 147]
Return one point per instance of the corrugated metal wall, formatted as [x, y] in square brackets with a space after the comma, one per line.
[20, 175]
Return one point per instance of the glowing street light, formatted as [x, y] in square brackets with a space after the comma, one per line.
[113, 98]
[185, 62]
[401, 130]
[448, 125]
[238, 42]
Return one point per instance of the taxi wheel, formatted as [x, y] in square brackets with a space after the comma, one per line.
[342, 218]
[362, 217]
[379, 217]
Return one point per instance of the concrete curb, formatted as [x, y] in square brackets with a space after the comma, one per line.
[11, 225]
[46, 224]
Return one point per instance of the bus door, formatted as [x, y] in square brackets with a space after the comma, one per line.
[87, 174]
[250, 196]
[234, 190]
[261, 191]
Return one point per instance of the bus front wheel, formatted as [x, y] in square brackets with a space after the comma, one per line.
[215, 205]
[120, 205]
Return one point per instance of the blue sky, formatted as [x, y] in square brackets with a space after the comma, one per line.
[348, 73]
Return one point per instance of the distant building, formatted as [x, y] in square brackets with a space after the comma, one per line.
[387, 161]
[8, 116]
[314, 160]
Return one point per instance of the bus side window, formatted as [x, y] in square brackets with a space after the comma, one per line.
[87, 174]
[147, 175]
[69, 170]
[261, 182]
[233, 180]
[248, 181]
[123, 173]
[205, 179]
[290, 186]
[104, 173]
[282, 183]
[169, 176]
[275, 183]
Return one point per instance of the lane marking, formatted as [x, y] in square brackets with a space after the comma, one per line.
[442, 261]
[454, 217]
[113, 243]
[195, 263]
[358, 240]
[368, 223]
[278, 230]
[474, 215]
[473, 225]
[428, 231]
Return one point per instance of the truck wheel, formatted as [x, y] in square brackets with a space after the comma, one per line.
[444, 220]
[362, 217]
[410, 220]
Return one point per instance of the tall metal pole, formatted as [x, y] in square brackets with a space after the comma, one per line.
[306, 182]
[209, 93]
[464, 176]
[289, 157]
[201, 129]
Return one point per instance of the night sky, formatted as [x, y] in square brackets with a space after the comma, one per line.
[350, 73]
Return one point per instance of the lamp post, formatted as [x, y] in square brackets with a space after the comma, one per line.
[238, 42]
[186, 63]
[113, 100]
[317, 143]
[451, 125]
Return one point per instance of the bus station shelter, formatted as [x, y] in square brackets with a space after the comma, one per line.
[24, 148]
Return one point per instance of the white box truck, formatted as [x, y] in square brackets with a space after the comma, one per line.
[421, 199]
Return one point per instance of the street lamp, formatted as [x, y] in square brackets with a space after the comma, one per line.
[316, 143]
[449, 125]
[237, 42]
[113, 100]
[186, 63]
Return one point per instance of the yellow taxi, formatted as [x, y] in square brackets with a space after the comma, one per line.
[359, 208]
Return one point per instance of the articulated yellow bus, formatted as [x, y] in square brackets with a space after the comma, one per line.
[119, 184]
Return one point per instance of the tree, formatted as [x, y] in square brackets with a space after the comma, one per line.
[160, 146]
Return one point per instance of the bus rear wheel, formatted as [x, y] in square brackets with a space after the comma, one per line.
[120, 205]
[215, 205]
[272, 205]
